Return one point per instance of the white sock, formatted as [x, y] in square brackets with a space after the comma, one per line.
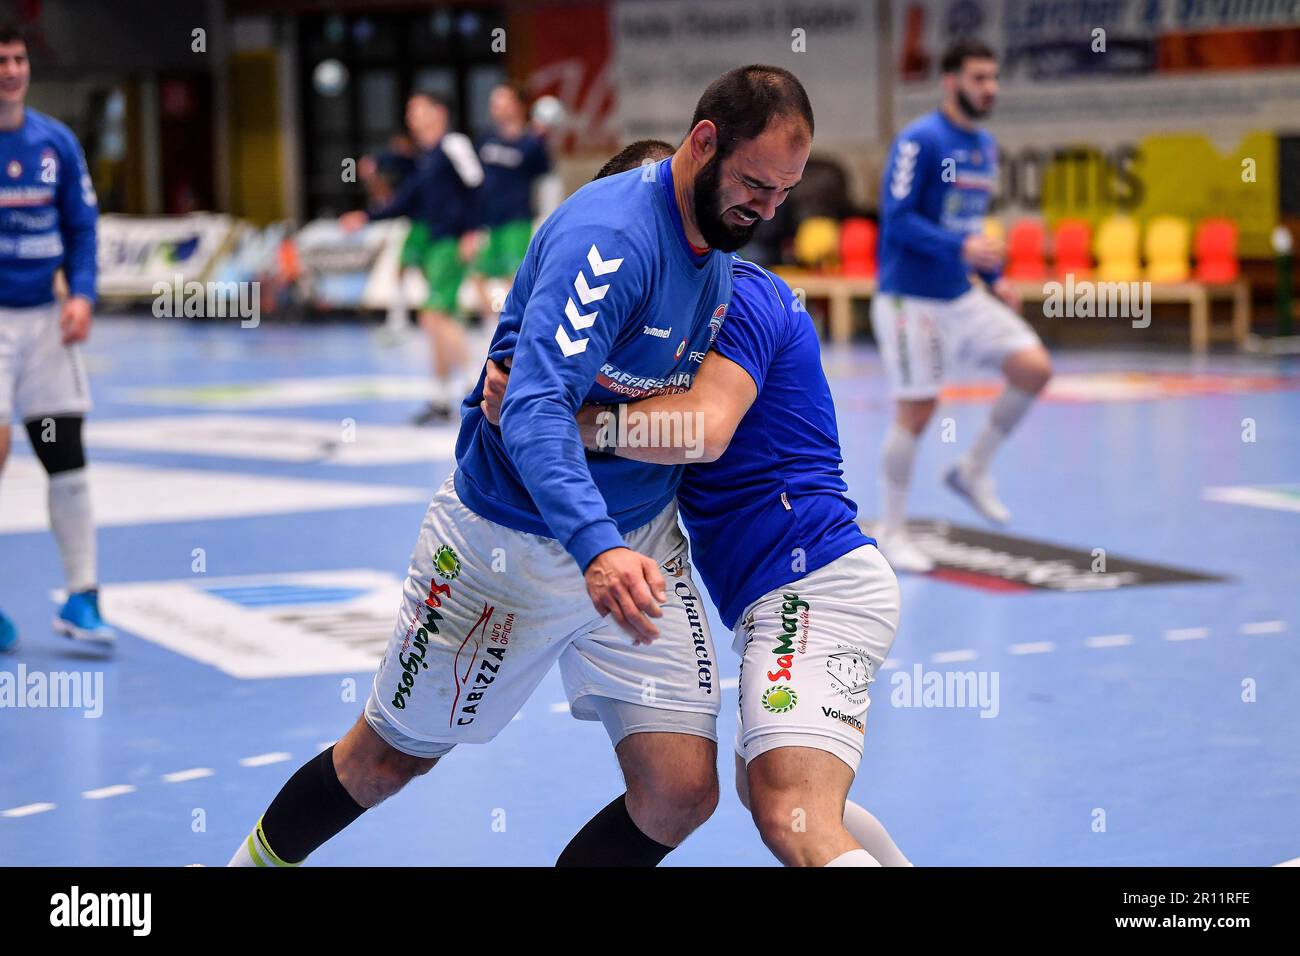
[896, 457]
[873, 836]
[74, 528]
[854, 858]
[1007, 411]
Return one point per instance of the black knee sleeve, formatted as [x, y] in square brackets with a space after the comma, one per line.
[56, 439]
[312, 807]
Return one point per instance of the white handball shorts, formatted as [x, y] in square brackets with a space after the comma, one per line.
[808, 653]
[486, 610]
[922, 341]
[39, 375]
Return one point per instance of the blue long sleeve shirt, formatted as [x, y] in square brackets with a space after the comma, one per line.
[48, 212]
[936, 190]
[610, 304]
[509, 168]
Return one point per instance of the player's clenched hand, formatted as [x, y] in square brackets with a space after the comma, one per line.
[630, 587]
[983, 252]
[74, 323]
[494, 390]
[1006, 290]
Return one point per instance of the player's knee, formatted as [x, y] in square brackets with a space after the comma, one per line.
[915, 415]
[1031, 370]
[689, 794]
[371, 777]
[785, 821]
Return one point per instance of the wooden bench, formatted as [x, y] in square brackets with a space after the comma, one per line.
[839, 292]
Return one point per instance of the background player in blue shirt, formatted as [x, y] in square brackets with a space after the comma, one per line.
[47, 222]
[813, 604]
[513, 156]
[927, 315]
[533, 544]
[439, 199]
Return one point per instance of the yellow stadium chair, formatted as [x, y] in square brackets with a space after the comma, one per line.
[817, 242]
[1168, 242]
[994, 229]
[1117, 250]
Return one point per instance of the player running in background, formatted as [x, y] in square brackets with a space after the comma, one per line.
[620, 294]
[47, 222]
[927, 315]
[813, 605]
[513, 156]
[439, 200]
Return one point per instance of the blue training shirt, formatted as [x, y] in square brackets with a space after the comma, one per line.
[509, 168]
[610, 304]
[47, 213]
[935, 192]
[774, 506]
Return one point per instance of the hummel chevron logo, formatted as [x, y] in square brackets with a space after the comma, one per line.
[904, 169]
[601, 266]
[567, 345]
[579, 319]
[587, 294]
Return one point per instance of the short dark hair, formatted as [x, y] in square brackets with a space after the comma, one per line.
[12, 33]
[630, 157]
[741, 102]
[966, 48]
[437, 99]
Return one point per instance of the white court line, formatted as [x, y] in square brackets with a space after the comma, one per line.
[1109, 640]
[325, 745]
[103, 793]
[261, 760]
[730, 683]
[1295, 862]
[952, 657]
[1263, 627]
[1187, 633]
[562, 707]
[891, 663]
[1033, 647]
[180, 776]
[27, 810]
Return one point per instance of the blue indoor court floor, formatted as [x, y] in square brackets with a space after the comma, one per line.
[259, 493]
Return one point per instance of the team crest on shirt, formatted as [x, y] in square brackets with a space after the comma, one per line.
[14, 169]
[779, 699]
[681, 348]
[715, 323]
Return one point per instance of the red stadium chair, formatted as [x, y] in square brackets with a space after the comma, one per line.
[1072, 245]
[1216, 251]
[1026, 259]
[858, 247]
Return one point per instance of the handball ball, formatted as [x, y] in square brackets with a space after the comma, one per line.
[548, 111]
[329, 78]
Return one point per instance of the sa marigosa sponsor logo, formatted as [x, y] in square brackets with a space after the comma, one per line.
[416, 644]
[794, 614]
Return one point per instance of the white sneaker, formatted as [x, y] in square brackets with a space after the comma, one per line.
[978, 492]
[902, 552]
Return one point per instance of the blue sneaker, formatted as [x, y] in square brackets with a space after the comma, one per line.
[79, 619]
[8, 634]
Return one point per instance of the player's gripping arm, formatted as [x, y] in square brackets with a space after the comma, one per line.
[78, 212]
[700, 422]
[554, 365]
